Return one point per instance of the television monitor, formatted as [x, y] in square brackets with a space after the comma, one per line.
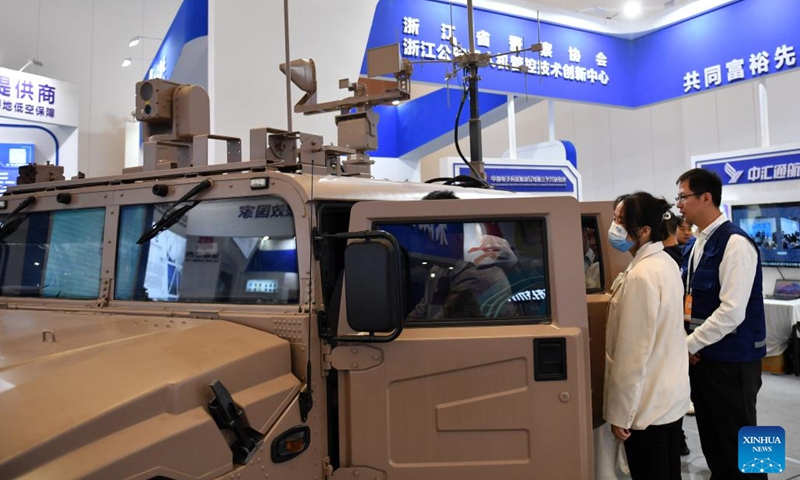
[775, 228]
[13, 156]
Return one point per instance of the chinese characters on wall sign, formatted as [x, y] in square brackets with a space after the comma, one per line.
[771, 167]
[37, 99]
[521, 179]
[782, 171]
[758, 64]
[415, 48]
[26, 97]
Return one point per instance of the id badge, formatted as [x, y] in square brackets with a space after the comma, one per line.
[687, 308]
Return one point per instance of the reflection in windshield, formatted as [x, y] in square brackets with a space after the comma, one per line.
[592, 268]
[54, 254]
[467, 271]
[227, 251]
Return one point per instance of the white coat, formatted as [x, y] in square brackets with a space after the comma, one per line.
[647, 363]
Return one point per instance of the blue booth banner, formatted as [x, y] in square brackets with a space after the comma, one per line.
[751, 168]
[741, 41]
[533, 176]
[574, 64]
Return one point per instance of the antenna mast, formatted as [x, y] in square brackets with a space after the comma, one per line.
[471, 67]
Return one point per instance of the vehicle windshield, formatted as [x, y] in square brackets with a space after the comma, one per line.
[221, 251]
[54, 255]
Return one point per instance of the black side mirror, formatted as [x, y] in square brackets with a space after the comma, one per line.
[375, 281]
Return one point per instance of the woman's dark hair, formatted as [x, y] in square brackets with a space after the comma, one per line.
[644, 210]
[441, 195]
[672, 222]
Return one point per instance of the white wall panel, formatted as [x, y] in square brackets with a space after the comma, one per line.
[700, 124]
[19, 39]
[631, 150]
[495, 139]
[565, 125]
[784, 107]
[668, 156]
[592, 140]
[737, 111]
[531, 121]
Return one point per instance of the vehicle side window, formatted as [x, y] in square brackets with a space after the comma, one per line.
[54, 255]
[227, 251]
[477, 271]
[592, 258]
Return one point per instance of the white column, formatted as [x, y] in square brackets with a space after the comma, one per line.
[512, 128]
[551, 119]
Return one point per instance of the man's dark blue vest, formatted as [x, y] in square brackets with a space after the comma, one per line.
[747, 342]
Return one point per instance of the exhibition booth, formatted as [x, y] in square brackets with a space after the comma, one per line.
[656, 75]
[38, 124]
[761, 195]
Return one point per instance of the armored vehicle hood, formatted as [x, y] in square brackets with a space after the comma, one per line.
[99, 396]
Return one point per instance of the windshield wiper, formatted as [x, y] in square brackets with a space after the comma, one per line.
[14, 219]
[172, 215]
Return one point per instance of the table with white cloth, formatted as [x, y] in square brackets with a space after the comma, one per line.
[780, 315]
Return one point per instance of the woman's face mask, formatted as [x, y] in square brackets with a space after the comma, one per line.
[618, 237]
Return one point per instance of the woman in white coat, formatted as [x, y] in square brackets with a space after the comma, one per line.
[646, 377]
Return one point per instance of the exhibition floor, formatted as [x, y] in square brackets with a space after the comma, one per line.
[778, 404]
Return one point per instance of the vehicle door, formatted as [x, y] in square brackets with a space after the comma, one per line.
[492, 379]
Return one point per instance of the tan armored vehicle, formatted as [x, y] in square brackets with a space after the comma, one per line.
[283, 318]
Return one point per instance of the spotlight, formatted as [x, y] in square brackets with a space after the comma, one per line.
[632, 9]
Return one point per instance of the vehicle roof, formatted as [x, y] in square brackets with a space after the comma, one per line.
[318, 187]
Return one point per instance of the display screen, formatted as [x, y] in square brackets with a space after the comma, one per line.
[775, 229]
[13, 156]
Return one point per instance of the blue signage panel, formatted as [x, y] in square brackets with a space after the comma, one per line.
[13, 156]
[573, 64]
[518, 178]
[770, 167]
[741, 41]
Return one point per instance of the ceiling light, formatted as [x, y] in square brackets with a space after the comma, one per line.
[127, 62]
[396, 102]
[138, 38]
[632, 9]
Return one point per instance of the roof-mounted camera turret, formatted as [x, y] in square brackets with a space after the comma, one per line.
[176, 126]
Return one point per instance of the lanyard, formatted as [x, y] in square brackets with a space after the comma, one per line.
[690, 268]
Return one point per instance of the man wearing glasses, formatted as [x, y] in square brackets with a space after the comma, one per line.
[724, 317]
